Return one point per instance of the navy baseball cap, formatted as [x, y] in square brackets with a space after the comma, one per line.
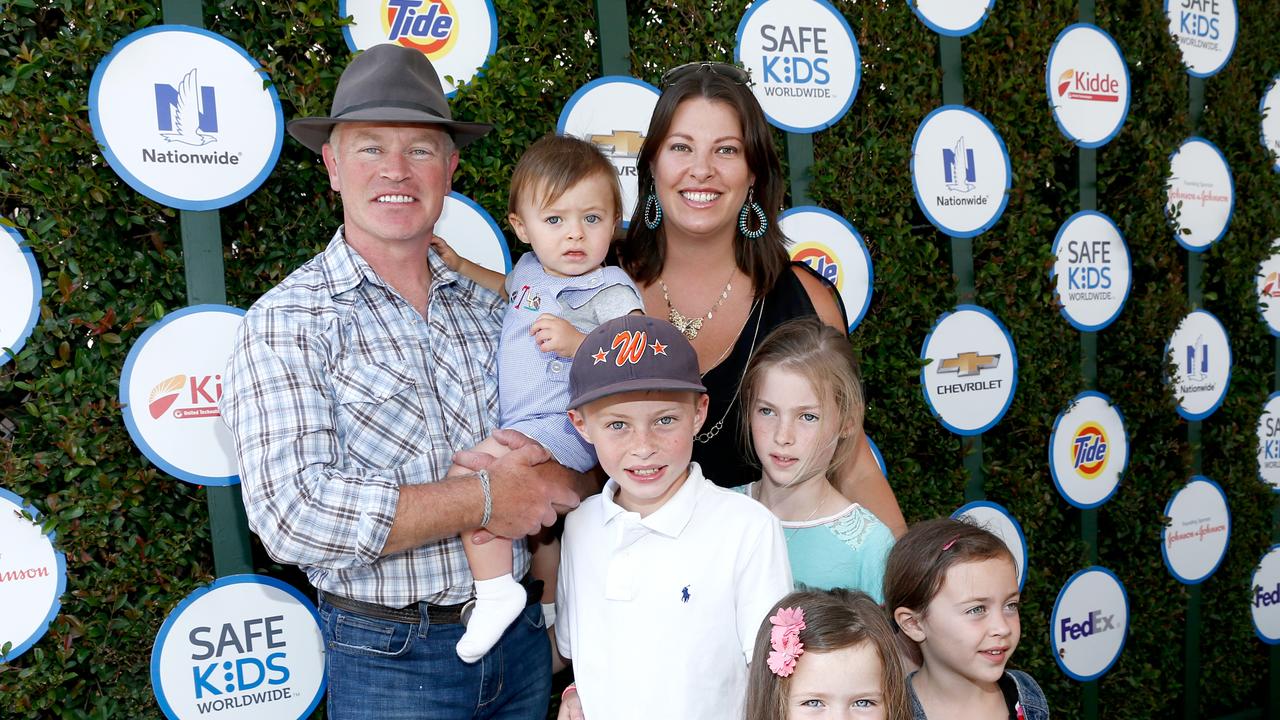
[633, 352]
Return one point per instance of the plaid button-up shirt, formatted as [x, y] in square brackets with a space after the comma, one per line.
[338, 392]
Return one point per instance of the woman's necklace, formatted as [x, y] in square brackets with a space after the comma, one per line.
[705, 437]
[791, 532]
[689, 326]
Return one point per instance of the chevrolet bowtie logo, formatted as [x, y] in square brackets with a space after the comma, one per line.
[968, 363]
[623, 142]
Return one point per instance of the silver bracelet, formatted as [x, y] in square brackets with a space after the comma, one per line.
[488, 497]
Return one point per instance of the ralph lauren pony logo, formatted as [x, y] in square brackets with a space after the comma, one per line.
[630, 345]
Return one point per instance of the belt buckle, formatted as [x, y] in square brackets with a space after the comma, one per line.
[464, 615]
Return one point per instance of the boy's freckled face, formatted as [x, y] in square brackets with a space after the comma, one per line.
[644, 440]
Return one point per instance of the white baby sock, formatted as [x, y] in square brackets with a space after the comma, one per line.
[498, 602]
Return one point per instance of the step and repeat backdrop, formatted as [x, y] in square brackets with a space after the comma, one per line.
[191, 120]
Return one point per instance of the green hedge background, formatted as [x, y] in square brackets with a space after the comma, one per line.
[137, 541]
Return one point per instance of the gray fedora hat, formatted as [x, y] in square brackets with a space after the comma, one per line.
[388, 84]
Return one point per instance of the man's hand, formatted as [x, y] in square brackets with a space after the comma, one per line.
[529, 489]
[557, 335]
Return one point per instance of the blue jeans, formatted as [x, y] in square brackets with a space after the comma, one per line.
[400, 671]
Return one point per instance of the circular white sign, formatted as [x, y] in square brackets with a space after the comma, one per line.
[960, 171]
[1205, 31]
[1091, 271]
[827, 243]
[804, 62]
[1268, 285]
[1200, 351]
[1270, 109]
[1269, 442]
[246, 646]
[1201, 193]
[875, 452]
[1195, 540]
[33, 576]
[473, 233]
[1265, 597]
[1089, 623]
[20, 293]
[994, 518]
[1088, 85]
[457, 35]
[170, 388]
[970, 370]
[952, 17]
[613, 112]
[183, 117]
[1088, 451]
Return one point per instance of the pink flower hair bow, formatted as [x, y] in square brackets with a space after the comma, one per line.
[784, 638]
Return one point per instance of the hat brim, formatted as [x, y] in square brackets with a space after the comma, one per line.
[314, 131]
[634, 386]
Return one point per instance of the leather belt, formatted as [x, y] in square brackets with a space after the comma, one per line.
[412, 614]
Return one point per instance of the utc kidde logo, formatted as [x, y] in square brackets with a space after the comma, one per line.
[970, 370]
[202, 394]
[1267, 283]
[1090, 86]
[246, 645]
[1090, 445]
[425, 25]
[1089, 622]
[1087, 82]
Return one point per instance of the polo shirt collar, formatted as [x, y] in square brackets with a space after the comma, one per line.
[670, 519]
[344, 269]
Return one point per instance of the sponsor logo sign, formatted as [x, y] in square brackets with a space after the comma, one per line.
[1268, 285]
[804, 62]
[1205, 31]
[183, 117]
[1089, 623]
[1201, 194]
[33, 576]
[1195, 540]
[20, 292]
[457, 35]
[1088, 451]
[831, 246]
[170, 388]
[1264, 598]
[1202, 356]
[952, 17]
[473, 233]
[613, 112]
[246, 646]
[960, 171]
[999, 521]
[1091, 272]
[1270, 109]
[1269, 442]
[1088, 85]
[970, 370]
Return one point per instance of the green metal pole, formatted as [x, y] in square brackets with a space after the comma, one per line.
[615, 43]
[800, 161]
[1195, 297]
[206, 283]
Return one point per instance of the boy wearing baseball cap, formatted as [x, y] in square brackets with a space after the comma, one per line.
[664, 577]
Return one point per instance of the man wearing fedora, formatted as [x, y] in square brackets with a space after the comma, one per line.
[350, 386]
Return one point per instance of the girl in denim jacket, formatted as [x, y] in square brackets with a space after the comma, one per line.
[952, 589]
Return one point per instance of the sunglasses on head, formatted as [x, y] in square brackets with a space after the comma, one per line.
[732, 72]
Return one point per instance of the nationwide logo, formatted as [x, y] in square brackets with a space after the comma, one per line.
[958, 168]
[1197, 360]
[1271, 287]
[1198, 23]
[429, 26]
[619, 144]
[187, 114]
[1095, 623]
[794, 62]
[1199, 530]
[822, 260]
[969, 364]
[200, 404]
[1090, 450]
[1090, 86]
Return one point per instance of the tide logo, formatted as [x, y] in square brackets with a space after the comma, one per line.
[1271, 288]
[188, 113]
[428, 26]
[1090, 86]
[205, 392]
[1089, 450]
[822, 259]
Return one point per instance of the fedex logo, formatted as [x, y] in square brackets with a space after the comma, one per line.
[1095, 623]
[1264, 598]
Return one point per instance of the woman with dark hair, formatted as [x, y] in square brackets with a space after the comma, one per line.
[705, 249]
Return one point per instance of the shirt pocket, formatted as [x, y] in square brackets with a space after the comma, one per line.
[380, 419]
[557, 370]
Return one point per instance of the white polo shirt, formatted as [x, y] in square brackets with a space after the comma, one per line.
[660, 614]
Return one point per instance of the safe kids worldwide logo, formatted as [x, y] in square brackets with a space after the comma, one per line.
[1201, 194]
[170, 389]
[1091, 271]
[612, 113]
[970, 370]
[1205, 31]
[1202, 356]
[1088, 450]
[804, 62]
[841, 258]
[960, 171]
[1269, 442]
[1195, 540]
[458, 36]
[20, 292]
[1087, 82]
[184, 118]
[1089, 624]
[33, 576]
[245, 646]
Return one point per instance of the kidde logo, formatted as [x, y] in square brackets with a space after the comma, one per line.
[220, 670]
[790, 68]
[1091, 86]
[1271, 288]
[203, 391]
[822, 260]
[1095, 623]
[428, 26]
[1089, 456]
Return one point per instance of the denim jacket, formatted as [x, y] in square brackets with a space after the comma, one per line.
[1030, 696]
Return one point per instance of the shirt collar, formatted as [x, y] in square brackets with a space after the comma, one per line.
[672, 517]
[344, 269]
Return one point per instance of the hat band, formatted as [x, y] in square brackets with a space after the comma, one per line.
[395, 104]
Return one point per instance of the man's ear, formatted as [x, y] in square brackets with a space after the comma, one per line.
[331, 164]
[909, 622]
